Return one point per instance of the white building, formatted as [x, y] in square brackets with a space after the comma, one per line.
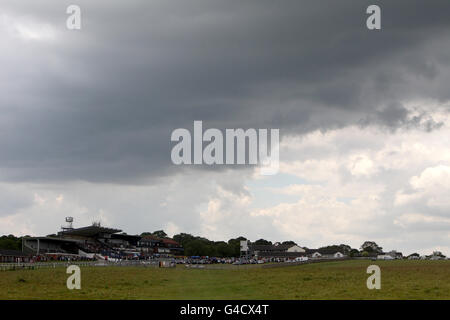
[295, 248]
[385, 257]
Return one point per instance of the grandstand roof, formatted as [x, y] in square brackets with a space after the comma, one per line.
[48, 239]
[126, 237]
[89, 231]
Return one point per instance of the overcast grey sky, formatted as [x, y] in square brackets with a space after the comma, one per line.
[86, 117]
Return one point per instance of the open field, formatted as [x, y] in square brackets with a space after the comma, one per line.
[328, 280]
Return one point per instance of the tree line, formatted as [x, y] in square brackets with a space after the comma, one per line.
[10, 242]
[200, 246]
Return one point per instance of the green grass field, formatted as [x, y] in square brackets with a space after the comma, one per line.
[328, 280]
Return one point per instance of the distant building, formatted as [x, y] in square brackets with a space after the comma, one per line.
[159, 246]
[414, 256]
[325, 253]
[282, 251]
[395, 254]
[385, 257]
[437, 255]
[391, 255]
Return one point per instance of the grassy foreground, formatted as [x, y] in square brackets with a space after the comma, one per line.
[328, 280]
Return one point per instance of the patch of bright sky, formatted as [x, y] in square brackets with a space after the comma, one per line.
[26, 28]
[261, 190]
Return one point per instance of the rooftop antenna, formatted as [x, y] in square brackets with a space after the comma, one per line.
[69, 226]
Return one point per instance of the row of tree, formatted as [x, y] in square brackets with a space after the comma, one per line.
[200, 246]
[10, 242]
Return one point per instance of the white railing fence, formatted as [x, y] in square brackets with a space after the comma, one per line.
[47, 265]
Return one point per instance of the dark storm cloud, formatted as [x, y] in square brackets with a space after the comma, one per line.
[99, 104]
[395, 115]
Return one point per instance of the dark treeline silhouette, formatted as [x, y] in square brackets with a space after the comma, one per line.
[199, 246]
[10, 242]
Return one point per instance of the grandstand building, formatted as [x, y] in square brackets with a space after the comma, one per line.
[151, 245]
[97, 242]
[44, 245]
